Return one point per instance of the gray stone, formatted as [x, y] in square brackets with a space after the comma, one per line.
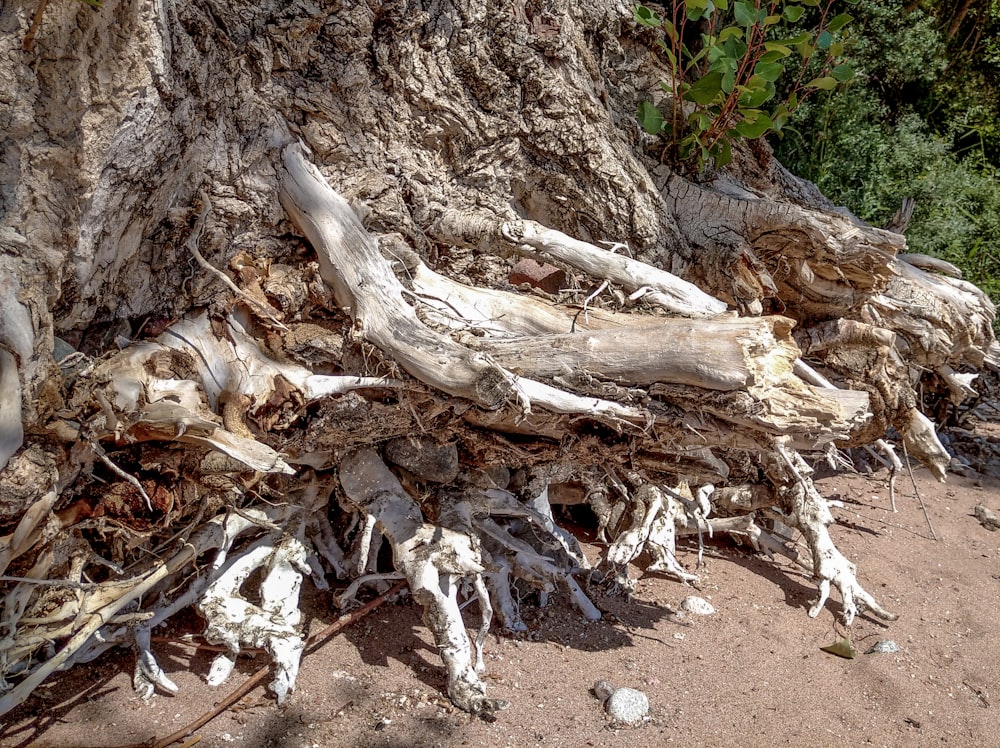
[627, 705]
[697, 605]
[884, 646]
[424, 457]
[624, 705]
[987, 517]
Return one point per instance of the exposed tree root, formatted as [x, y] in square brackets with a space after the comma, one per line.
[348, 619]
[180, 443]
[434, 560]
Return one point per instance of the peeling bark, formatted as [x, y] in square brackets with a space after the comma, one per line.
[172, 360]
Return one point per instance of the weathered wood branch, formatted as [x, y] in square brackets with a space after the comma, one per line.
[351, 264]
[531, 239]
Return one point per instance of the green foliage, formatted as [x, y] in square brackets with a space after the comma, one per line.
[964, 102]
[889, 136]
[726, 60]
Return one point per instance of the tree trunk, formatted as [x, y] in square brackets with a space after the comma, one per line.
[177, 356]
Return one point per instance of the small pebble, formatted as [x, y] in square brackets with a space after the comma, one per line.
[627, 705]
[987, 517]
[624, 705]
[697, 605]
[603, 689]
[885, 646]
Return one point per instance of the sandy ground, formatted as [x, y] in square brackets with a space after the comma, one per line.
[751, 674]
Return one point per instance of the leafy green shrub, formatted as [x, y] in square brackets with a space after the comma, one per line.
[871, 145]
[727, 72]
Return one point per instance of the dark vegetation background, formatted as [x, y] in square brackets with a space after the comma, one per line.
[921, 119]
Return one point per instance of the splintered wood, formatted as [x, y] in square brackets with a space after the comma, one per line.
[465, 413]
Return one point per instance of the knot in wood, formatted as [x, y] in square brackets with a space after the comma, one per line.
[493, 388]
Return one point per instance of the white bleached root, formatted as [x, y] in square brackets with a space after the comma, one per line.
[525, 543]
[498, 582]
[146, 399]
[655, 532]
[273, 624]
[17, 338]
[434, 561]
[148, 675]
[235, 363]
[28, 530]
[543, 509]
[11, 427]
[810, 514]
[959, 384]
[93, 618]
[525, 562]
[662, 539]
[921, 439]
[658, 286]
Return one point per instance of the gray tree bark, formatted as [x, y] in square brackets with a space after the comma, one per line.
[418, 148]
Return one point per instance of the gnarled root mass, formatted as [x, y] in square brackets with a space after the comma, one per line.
[219, 452]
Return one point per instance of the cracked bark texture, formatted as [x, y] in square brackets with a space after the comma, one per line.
[433, 119]
[519, 110]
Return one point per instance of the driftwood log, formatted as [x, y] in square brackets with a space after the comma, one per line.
[255, 322]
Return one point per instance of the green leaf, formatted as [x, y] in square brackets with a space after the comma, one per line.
[801, 42]
[650, 118]
[735, 48]
[645, 16]
[826, 83]
[730, 32]
[842, 73]
[722, 152]
[771, 20]
[779, 117]
[769, 71]
[671, 57]
[698, 57]
[839, 22]
[756, 92]
[773, 48]
[722, 5]
[728, 81]
[670, 30]
[824, 40]
[699, 121]
[751, 129]
[697, 9]
[792, 13]
[805, 50]
[744, 13]
[706, 89]
[810, 3]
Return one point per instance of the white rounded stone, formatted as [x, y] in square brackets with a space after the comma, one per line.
[627, 705]
[697, 605]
